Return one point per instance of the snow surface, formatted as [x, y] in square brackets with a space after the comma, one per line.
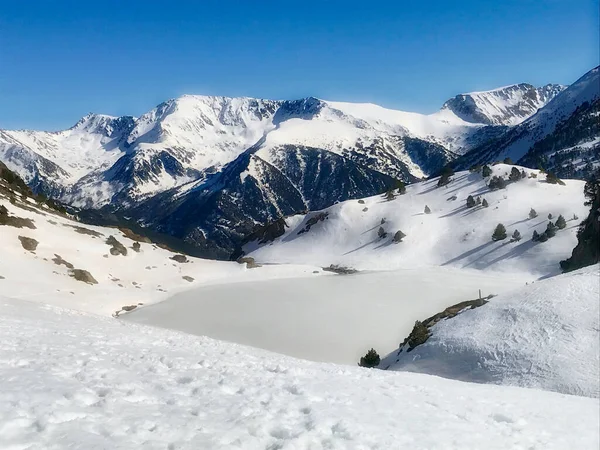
[546, 335]
[327, 318]
[72, 380]
[452, 235]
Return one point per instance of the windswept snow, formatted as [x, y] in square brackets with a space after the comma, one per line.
[545, 336]
[70, 380]
[451, 235]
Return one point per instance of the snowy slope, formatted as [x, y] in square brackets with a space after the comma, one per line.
[545, 335]
[70, 380]
[451, 235]
[147, 276]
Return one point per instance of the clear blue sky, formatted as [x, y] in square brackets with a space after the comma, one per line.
[62, 59]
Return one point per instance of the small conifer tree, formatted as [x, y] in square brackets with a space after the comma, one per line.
[532, 213]
[535, 237]
[381, 233]
[515, 175]
[550, 230]
[516, 236]
[485, 203]
[427, 210]
[470, 201]
[389, 195]
[561, 223]
[550, 216]
[370, 360]
[499, 233]
[398, 236]
[486, 171]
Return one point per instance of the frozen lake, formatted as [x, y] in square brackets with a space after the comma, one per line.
[334, 318]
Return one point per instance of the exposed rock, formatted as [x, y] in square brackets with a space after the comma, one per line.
[82, 275]
[116, 247]
[179, 258]
[14, 221]
[341, 270]
[86, 231]
[318, 217]
[249, 261]
[59, 261]
[188, 278]
[28, 243]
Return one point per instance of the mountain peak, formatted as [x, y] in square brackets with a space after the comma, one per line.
[507, 105]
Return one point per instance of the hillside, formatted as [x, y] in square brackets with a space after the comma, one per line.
[72, 380]
[451, 234]
[44, 253]
[543, 336]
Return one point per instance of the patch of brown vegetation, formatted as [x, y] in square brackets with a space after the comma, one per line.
[14, 221]
[179, 258]
[421, 331]
[116, 247]
[28, 243]
[134, 236]
[249, 261]
[82, 230]
[59, 261]
[82, 275]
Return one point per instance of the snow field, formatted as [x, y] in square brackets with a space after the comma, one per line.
[70, 380]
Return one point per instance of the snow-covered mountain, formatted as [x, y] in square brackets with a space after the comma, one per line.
[105, 159]
[564, 134]
[509, 105]
[221, 166]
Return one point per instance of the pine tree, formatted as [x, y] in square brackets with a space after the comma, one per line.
[478, 200]
[516, 236]
[499, 233]
[550, 230]
[445, 177]
[497, 183]
[515, 175]
[561, 223]
[507, 160]
[486, 171]
[543, 237]
[532, 213]
[370, 360]
[401, 187]
[427, 210]
[470, 201]
[389, 195]
[523, 173]
[381, 233]
[484, 203]
[398, 236]
[535, 237]
[575, 217]
[550, 216]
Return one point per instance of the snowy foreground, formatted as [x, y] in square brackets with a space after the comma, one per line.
[72, 380]
[545, 335]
